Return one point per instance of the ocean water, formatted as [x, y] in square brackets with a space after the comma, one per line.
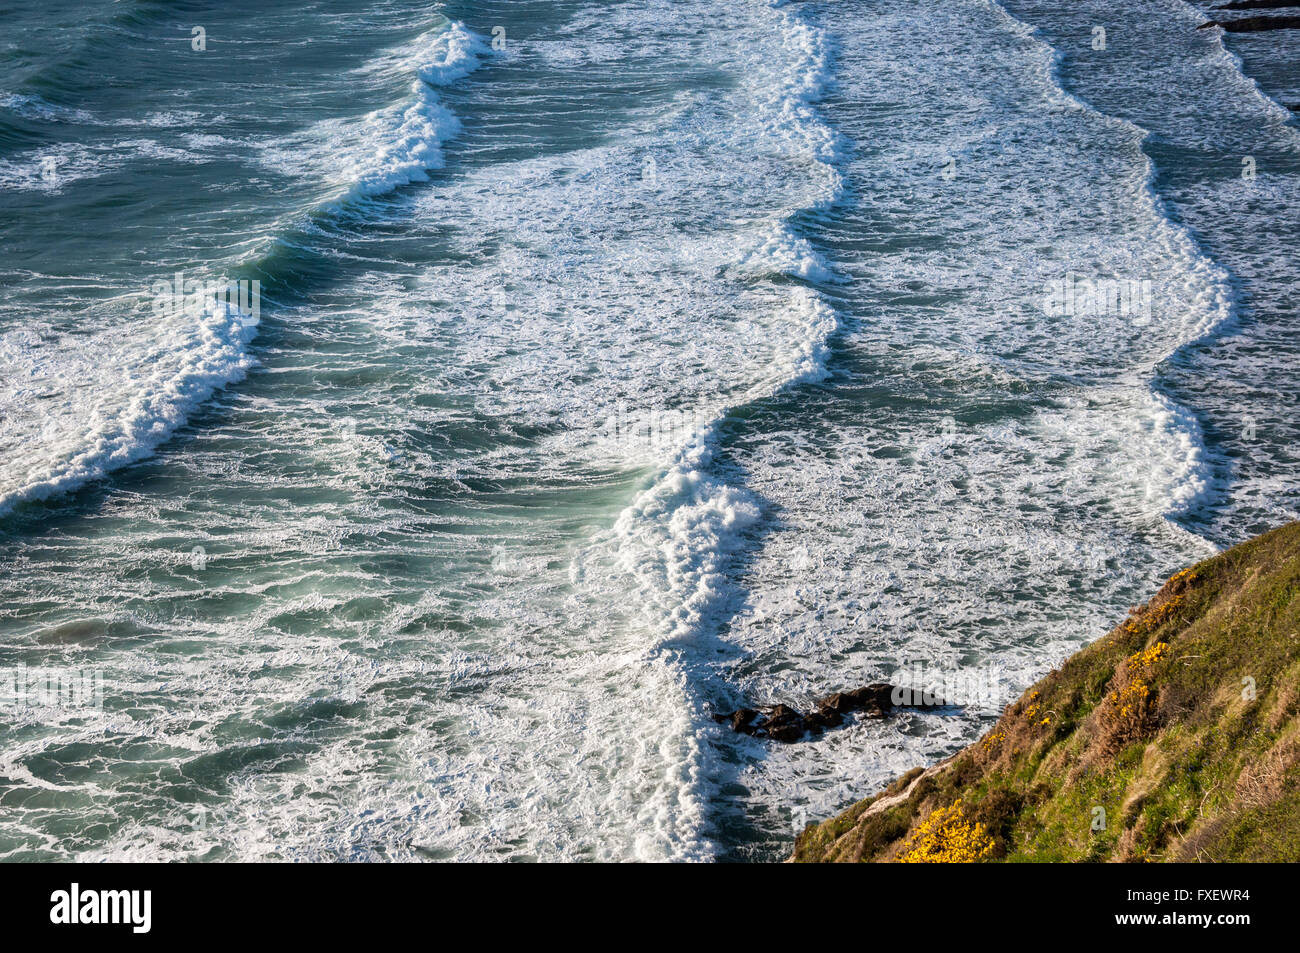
[615, 364]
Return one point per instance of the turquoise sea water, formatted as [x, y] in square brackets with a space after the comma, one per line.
[615, 364]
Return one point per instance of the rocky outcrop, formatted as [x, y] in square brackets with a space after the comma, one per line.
[786, 724]
[1255, 24]
[1258, 5]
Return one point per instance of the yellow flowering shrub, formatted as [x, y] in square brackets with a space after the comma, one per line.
[947, 837]
[1034, 709]
[1147, 621]
[1126, 712]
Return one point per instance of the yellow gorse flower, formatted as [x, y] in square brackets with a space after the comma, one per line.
[1137, 691]
[947, 837]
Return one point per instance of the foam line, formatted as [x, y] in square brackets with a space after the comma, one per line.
[677, 537]
[181, 366]
[1191, 482]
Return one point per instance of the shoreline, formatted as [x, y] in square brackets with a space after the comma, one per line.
[1174, 737]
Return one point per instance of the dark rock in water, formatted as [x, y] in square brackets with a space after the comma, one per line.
[915, 698]
[783, 723]
[786, 724]
[743, 719]
[877, 695]
[1258, 4]
[1255, 24]
[838, 705]
[825, 718]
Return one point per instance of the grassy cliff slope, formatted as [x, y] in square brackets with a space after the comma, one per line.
[1175, 737]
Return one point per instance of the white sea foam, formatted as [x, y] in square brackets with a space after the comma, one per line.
[525, 673]
[409, 144]
[110, 400]
[399, 144]
[451, 55]
[1181, 480]
[779, 251]
[1231, 182]
[1018, 530]
[53, 168]
[1278, 117]
[557, 731]
[678, 535]
[677, 540]
[34, 107]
